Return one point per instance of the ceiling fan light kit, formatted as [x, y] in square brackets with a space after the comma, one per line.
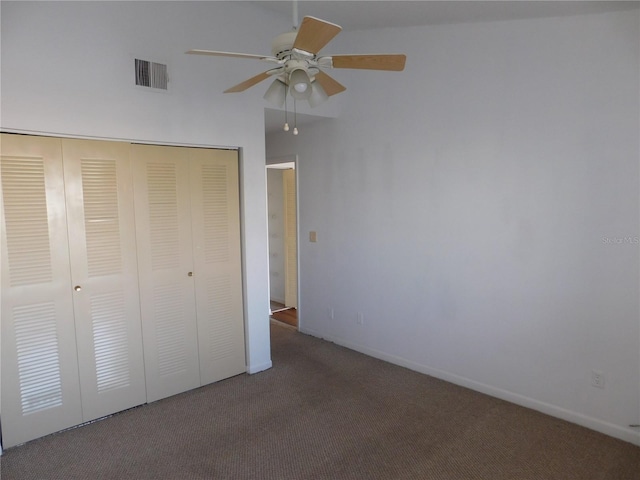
[299, 67]
[318, 95]
[299, 84]
[276, 93]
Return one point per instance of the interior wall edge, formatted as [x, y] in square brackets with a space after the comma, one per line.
[252, 369]
[114, 139]
[571, 416]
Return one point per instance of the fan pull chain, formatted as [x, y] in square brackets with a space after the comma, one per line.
[295, 118]
[286, 123]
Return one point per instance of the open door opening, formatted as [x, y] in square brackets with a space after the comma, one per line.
[283, 248]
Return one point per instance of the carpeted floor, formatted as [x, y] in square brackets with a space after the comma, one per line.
[325, 412]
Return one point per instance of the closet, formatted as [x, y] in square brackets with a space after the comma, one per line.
[121, 278]
[188, 233]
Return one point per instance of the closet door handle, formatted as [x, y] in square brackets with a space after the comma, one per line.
[77, 288]
[190, 274]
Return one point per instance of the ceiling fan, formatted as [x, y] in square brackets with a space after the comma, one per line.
[298, 65]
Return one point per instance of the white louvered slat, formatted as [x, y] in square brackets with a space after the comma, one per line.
[38, 357]
[110, 341]
[170, 331]
[215, 209]
[163, 215]
[26, 217]
[102, 227]
[221, 328]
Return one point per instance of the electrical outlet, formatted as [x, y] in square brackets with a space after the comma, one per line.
[360, 318]
[597, 379]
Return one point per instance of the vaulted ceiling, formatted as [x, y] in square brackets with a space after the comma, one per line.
[361, 14]
[354, 15]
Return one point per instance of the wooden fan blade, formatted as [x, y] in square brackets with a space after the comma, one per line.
[330, 86]
[370, 62]
[314, 34]
[229, 54]
[241, 87]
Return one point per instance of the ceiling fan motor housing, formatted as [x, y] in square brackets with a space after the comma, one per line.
[293, 59]
[282, 44]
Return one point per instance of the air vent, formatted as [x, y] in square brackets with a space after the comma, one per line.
[151, 74]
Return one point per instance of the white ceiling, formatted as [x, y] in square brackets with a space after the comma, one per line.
[362, 14]
[274, 120]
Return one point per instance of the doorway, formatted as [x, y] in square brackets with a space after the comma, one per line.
[283, 240]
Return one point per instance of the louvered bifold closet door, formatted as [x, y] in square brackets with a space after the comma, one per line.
[165, 264]
[104, 274]
[40, 385]
[218, 274]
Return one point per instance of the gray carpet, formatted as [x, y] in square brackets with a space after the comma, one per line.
[325, 412]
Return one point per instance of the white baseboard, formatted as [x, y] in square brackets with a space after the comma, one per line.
[616, 431]
[251, 369]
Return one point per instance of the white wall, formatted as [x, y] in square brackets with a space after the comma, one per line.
[474, 209]
[67, 69]
[275, 202]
